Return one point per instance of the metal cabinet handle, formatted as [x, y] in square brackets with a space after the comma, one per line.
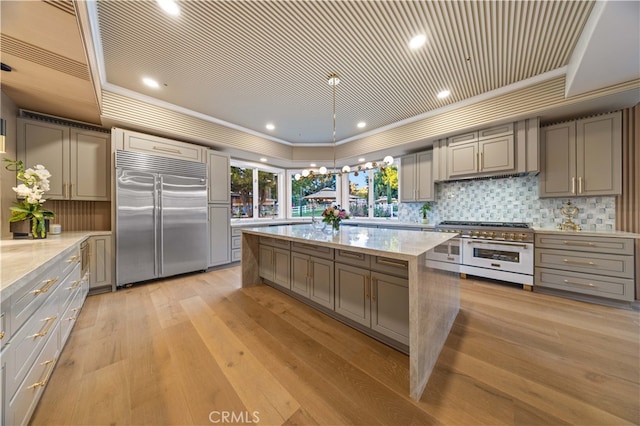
[392, 263]
[351, 255]
[1, 335]
[498, 243]
[73, 259]
[44, 381]
[580, 185]
[161, 148]
[47, 285]
[573, 185]
[580, 284]
[366, 287]
[481, 162]
[577, 262]
[76, 284]
[374, 282]
[578, 243]
[46, 328]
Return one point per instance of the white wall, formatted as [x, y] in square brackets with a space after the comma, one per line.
[7, 179]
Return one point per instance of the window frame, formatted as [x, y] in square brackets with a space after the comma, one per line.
[281, 173]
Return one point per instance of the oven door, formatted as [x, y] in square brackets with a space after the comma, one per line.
[498, 255]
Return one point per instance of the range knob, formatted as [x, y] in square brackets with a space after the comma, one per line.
[476, 233]
[504, 235]
[523, 237]
[492, 234]
[484, 234]
[512, 236]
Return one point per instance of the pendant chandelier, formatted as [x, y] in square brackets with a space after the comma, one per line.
[333, 80]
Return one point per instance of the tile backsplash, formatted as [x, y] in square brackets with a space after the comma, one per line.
[513, 199]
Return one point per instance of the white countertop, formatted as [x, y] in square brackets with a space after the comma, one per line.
[21, 259]
[363, 221]
[593, 233]
[400, 244]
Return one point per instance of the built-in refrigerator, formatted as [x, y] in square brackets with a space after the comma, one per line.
[161, 217]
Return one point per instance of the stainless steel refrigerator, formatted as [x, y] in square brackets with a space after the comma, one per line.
[161, 220]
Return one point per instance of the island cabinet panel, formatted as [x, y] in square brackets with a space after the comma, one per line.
[390, 306]
[312, 278]
[275, 265]
[300, 273]
[352, 293]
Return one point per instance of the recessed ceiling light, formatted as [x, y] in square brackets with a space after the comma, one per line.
[150, 82]
[360, 160]
[264, 160]
[169, 6]
[270, 126]
[361, 124]
[443, 94]
[312, 165]
[417, 41]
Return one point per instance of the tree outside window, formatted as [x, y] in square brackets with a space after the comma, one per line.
[268, 194]
[385, 189]
[241, 192]
[359, 194]
[311, 196]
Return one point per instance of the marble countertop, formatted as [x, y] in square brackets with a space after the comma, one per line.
[20, 259]
[592, 233]
[378, 222]
[399, 244]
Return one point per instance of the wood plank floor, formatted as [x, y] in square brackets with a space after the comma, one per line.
[199, 349]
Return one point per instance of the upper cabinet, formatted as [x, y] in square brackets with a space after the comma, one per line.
[78, 159]
[155, 145]
[416, 177]
[582, 157]
[487, 151]
[219, 180]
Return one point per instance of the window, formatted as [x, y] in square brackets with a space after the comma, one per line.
[359, 194]
[255, 191]
[385, 190]
[311, 196]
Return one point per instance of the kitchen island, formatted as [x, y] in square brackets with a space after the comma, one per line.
[433, 295]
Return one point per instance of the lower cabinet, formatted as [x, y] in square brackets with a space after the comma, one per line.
[100, 264]
[312, 277]
[219, 233]
[274, 265]
[373, 299]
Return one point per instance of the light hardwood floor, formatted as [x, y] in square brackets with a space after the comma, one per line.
[194, 349]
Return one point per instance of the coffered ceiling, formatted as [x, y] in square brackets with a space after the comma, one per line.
[244, 64]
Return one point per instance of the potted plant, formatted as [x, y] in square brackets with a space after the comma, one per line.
[426, 207]
[28, 210]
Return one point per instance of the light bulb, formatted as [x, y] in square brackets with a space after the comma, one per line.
[368, 165]
[346, 169]
[305, 173]
[297, 176]
[388, 160]
[322, 170]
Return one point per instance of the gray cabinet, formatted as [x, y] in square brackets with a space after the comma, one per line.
[586, 265]
[128, 140]
[416, 177]
[219, 234]
[275, 261]
[313, 277]
[485, 152]
[219, 179]
[100, 263]
[582, 157]
[78, 159]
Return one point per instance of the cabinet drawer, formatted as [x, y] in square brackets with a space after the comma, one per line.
[163, 147]
[5, 327]
[595, 285]
[399, 268]
[462, 139]
[70, 316]
[71, 285]
[21, 405]
[27, 343]
[275, 242]
[236, 242]
[496, 131]
[596, 263]
[236, 232]
[313, 250]
[236, 255]
[609, 245]
[353, 258]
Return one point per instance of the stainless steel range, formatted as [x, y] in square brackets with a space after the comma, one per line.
[497, 250]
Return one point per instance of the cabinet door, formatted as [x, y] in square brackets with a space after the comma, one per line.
[300, 267]
[90, 172]
[321, 286]
[46, 144]
[219, 235]
[282, 267]
[599, 155]
[424, 176]
[100, 262]
[352, 293]
[497, 155]
[557, 155]
[162, 147]
[463, 159]
[266, 262]
[390, 306]
[408, 178]
[219, 181]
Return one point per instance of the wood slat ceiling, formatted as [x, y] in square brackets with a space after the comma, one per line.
[250, 62]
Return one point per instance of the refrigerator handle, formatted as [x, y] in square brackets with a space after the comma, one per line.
[157, 223]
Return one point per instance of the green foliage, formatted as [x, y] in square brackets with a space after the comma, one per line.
[426, 207]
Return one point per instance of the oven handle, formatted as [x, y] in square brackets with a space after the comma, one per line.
[497, 243]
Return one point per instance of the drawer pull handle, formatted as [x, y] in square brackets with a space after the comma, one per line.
[351, 255]
[47, 285]
[374, 282]
[73, 259]
[580, 284]
[160, 148]
[577, 262]
[75, 285]
[44, 381]
[1, 335]
[366, 287]
[392, 263]
[578, 243]
[308, 246]
[47, 327]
